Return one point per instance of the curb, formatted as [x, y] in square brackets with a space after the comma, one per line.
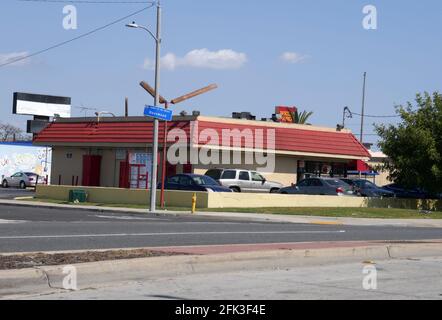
[14, 283]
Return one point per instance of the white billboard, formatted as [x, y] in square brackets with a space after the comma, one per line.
[41, 105]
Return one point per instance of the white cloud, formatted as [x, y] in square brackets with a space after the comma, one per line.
[293, 57]
[9, 57]
[202, 58]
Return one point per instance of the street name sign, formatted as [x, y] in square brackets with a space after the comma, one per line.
[158, 113]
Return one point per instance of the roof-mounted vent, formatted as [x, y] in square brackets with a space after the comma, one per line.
[243, 116]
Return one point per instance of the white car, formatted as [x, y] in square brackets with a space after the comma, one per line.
[23, 180]
[239, 180]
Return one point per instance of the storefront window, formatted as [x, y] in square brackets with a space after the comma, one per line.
[311, 169]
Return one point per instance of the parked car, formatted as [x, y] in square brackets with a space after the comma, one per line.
[320, 186]
[23, 180]
[365, 188]
[246, 181]
[415, 193]
[193, 182]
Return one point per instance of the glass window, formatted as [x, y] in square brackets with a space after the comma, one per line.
[336, 182]
[303, 183]
[257, 177]
[185, 181]
[229, 175]
[174, 180]
[316, 183]
[214, 174]
[244, 176]
[205, 181]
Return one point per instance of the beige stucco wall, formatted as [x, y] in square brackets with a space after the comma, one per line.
[246, 200]
[382, 178]
[123, 196]
[233, 200]
[67, 167]
[285, 169]
[109, 175]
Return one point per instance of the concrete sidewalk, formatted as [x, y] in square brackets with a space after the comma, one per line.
[46, 280]
[424, 223]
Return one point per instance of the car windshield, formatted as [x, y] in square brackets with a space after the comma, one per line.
[205, 181]
[30, 174]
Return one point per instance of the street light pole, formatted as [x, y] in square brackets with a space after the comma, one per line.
[157, 97]
[153, 189]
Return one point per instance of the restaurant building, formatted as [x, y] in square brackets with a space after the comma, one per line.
[117, 152]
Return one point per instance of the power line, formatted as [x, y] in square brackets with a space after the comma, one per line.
[372, 116]
[76, 38]
[88, 1]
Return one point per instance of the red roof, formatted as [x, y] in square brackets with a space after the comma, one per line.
[286, 139]
[300, 140]
[103, 132]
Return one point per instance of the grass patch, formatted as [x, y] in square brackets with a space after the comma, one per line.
[379, 213]
[109, 205]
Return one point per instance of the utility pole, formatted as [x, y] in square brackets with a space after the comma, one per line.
[363, 109]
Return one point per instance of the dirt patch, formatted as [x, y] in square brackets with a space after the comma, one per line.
[22, 261]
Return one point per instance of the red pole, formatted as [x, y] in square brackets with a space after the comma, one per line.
[163, 171]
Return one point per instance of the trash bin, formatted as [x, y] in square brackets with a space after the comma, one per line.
[78, 196]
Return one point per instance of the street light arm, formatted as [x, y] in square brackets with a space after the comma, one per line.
[194, 94]
[150, 32]
[151, 91]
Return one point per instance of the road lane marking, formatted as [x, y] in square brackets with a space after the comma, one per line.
[2, 221]
[127, 218]
[327, 223]
[167, 234]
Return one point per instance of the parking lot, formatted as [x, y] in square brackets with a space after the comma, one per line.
[11, 193]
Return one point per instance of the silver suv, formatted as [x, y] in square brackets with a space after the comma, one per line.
[244, 181]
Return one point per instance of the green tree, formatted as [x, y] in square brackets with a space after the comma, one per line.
[301, 118]
[414, 145]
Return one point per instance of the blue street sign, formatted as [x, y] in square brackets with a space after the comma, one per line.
[158, 113]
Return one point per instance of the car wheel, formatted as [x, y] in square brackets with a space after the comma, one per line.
[22, 185]
[274, 191]
[284, 192]
[235, 189]
[4, 184]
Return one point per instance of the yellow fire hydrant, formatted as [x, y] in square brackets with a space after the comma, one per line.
[194, 203]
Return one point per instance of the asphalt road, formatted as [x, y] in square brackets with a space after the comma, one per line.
[27, 229]
[11, 193]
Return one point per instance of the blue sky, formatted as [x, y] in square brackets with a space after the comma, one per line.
[402, 57]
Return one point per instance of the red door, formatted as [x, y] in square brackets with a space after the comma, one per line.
[138, 177]
[124, 175]
[170, 170]
[187, 168]
[91, 171]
